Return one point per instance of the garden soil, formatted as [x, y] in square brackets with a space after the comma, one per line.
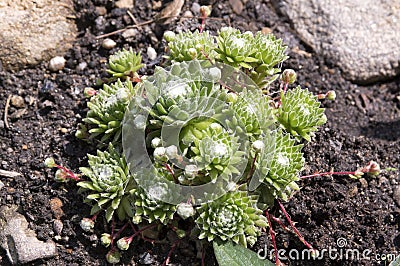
[332, 212]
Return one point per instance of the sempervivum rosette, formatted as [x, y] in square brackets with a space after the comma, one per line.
[106, 112]
[124, 63]
[234, 216]
[236, 49]
[110, 185]
[187, 46]
[300, 113]
[151, 209]
[280, 171]
[270, 52]
[189, 105]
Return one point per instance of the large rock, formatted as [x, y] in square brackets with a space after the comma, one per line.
[21, 243]
[362, 37]
[34, 31]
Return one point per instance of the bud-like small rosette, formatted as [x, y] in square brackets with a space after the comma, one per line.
[124, 63]
[300, 113]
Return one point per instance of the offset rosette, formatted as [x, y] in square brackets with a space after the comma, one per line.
[234, 216]
[106, 112]
[300, 113]
[124, 63]
[192, 128]
[187, 46]
[110, 185]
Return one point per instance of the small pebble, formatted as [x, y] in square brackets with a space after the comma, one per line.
[188, 14]
[57, 63]
[157, 5]
[24, 147]
[1, 185]
[195, 8]
[146, 259]
[58, 226]
[17, 101]
[151, 53]
[396, 195]
[129, 33]
[56, 207]
[124, 4]
[108, 44]
[363, 182]
[101, 10]
[63, 130]
[81, 66]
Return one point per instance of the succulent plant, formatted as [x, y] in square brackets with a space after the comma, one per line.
[124, 63]
[106, 112]
[280, 172]
[253, 113]
[300, 113]
[190, 126]
[150, 209]
[110, 185]
[236, 49]
[187, 46]
[234, 216]
[270, 53]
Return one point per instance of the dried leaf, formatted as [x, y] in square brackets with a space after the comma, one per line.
[171, 11]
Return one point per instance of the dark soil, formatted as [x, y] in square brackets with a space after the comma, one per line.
[363, 125]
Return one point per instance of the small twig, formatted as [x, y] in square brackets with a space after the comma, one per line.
[146, 23]
[329, 173]
[132, 17]
[9, 173]
[6, 111]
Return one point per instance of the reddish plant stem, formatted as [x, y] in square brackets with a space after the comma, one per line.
[272, 234]
[166, 261]
[294, 228]
[70, 174]
[119, 231]
[251, 172]
[137, 232]
[203, 256]
[329, 173]
[280, 223]
[112, 232]
[203, 24]
[169, 169]
[286, 84]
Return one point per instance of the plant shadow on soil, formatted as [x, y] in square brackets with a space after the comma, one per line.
[325, 209]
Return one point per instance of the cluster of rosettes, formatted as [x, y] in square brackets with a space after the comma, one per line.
[227, 128]
[259, 54]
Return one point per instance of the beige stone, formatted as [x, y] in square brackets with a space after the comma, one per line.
[34, 31]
